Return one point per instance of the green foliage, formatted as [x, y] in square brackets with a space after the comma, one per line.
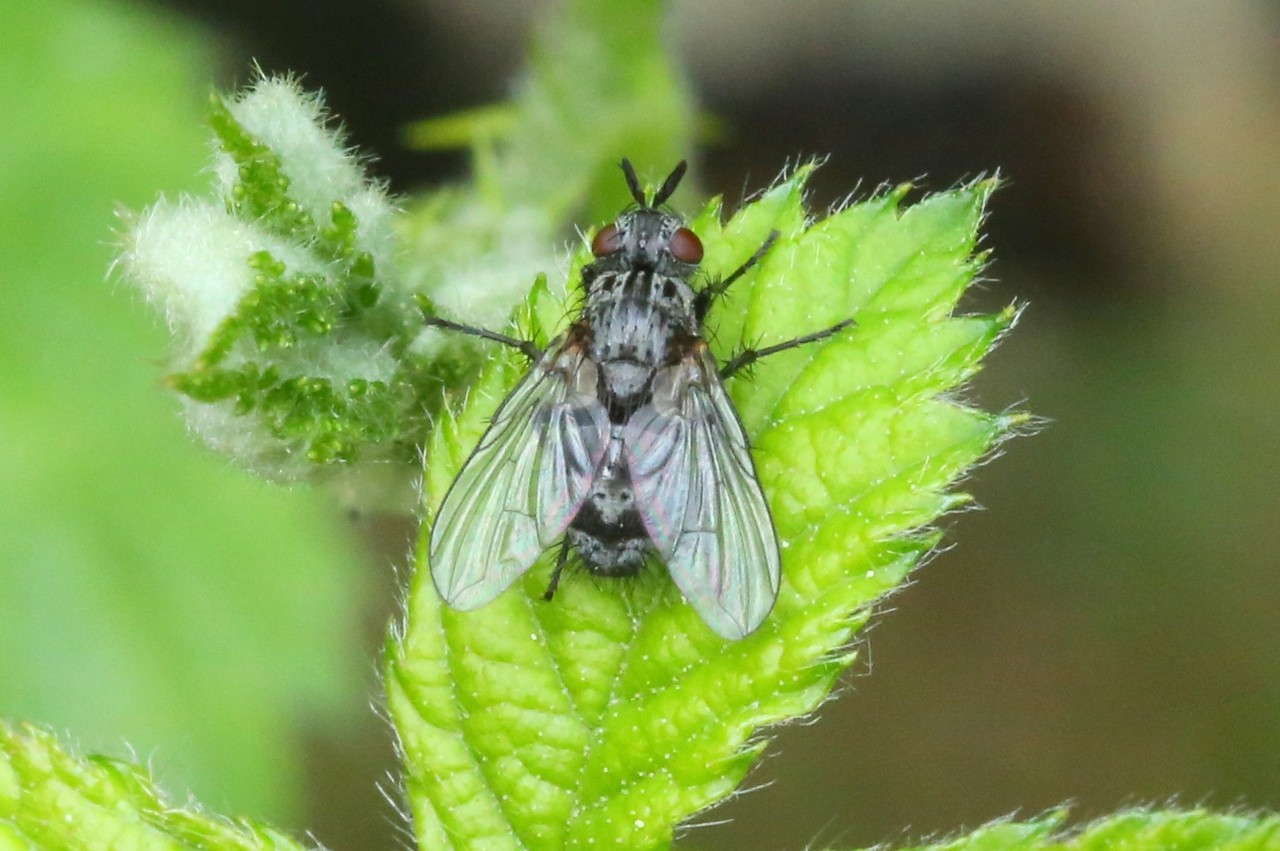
[1167, 830]
[612, 715]
[602, 85]
[311, 359]
[52, 799]
[262, 192]
[331, 417]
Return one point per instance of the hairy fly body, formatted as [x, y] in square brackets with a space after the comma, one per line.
[621, 442]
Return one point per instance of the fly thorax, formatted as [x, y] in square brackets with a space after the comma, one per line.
[635, 319]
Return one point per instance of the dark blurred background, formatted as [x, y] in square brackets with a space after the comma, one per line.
[1106, 630]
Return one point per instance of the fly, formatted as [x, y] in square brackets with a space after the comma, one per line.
[620, 442]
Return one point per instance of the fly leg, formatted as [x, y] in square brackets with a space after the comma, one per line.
[555, 573]
[707, 295]
[746, 357]
[530, 351]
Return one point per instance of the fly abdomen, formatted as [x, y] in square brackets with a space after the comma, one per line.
[608, 532]
[605, 555]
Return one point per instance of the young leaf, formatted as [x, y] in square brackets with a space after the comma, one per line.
[611, 714]
[283, 295]
[50, 798]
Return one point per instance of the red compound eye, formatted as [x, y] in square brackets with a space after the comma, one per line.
[607, 241]
[686, 247]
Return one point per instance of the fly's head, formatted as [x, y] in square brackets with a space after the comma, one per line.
[648, 238]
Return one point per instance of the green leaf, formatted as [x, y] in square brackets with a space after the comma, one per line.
[602, 85]
[612, 714]
[1130, 830]
[50, 798]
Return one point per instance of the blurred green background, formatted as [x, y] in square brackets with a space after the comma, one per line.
[1106, 632]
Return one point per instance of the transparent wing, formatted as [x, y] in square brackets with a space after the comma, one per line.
[524, 482]
[697, 493]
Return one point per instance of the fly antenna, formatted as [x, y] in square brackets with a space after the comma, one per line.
[660, 197]
[633, 182]
[669, 185]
